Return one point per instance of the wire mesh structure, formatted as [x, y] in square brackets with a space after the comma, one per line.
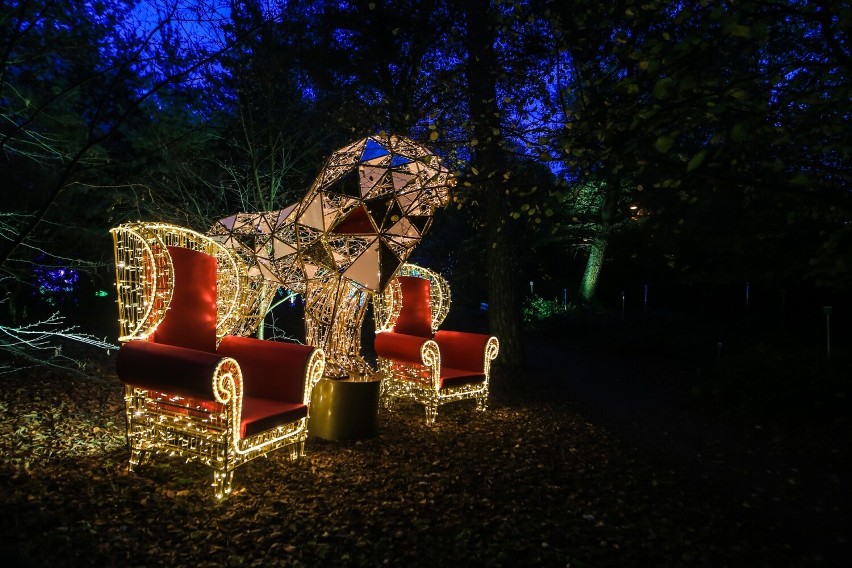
[222, 407]
[145, 280]
[347, 238]
[428, 366]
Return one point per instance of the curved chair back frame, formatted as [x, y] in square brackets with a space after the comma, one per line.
[145, 279]
[388, 304]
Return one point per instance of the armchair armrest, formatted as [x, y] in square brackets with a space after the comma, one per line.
[275, 370]
[402, 347]
[466, 351]
[175, 370]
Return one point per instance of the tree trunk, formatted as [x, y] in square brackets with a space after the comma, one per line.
[504, 312]
[608, 214]
[488, 160]
[593, 268]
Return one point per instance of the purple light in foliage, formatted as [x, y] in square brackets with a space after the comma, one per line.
[55, 283]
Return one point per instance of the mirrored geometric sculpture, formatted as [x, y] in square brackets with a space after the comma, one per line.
[369, 207]
[346, 239]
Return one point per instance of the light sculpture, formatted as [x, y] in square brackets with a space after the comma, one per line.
[416, 360]
[194, 387]
[346, 239]
[145, 280]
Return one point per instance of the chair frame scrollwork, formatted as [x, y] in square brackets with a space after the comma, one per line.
[209, 433]
[207, 428]
[421, 380]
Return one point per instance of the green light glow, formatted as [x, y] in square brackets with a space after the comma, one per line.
[593, 269]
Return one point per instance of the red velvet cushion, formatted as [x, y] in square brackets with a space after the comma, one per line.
[415, 317]
[455, 377]
[166, 368]
[261, 414]
[399, 347]
[271, 369]
[462, 350]
[191, 318]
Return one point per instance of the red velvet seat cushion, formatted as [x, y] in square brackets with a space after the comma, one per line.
[456, 377]
[261, 414]
[415, 317]
[258, 414]
[196, 407]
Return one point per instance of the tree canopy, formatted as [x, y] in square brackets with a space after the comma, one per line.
[711, 133]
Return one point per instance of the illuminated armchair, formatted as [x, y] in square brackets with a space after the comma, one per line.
[417, 361]
[191, 388]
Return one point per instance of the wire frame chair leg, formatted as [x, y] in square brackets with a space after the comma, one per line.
[222, 482]
[431, 413]
[388, 403]
[297, 450]
[138, 457]
[137, 430]
[482, 403]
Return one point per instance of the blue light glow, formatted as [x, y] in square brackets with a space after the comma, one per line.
[56, 285]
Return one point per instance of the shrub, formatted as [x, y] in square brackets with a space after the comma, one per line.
[538, 311]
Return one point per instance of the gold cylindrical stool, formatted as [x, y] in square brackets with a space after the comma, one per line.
[345, 409]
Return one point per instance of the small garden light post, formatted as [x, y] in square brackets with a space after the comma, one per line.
[827, 311]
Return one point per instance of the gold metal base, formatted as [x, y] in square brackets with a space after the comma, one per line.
[345, 409]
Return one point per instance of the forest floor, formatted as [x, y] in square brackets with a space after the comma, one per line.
[593, 456]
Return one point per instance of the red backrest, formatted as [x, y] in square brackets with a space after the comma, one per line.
[191, 318]
[415, 317]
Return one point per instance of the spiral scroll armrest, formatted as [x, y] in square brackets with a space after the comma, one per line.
[411, 350]
[492, 349]
[228, 390]
[179, 371]
[313, 373]
[430, 353]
